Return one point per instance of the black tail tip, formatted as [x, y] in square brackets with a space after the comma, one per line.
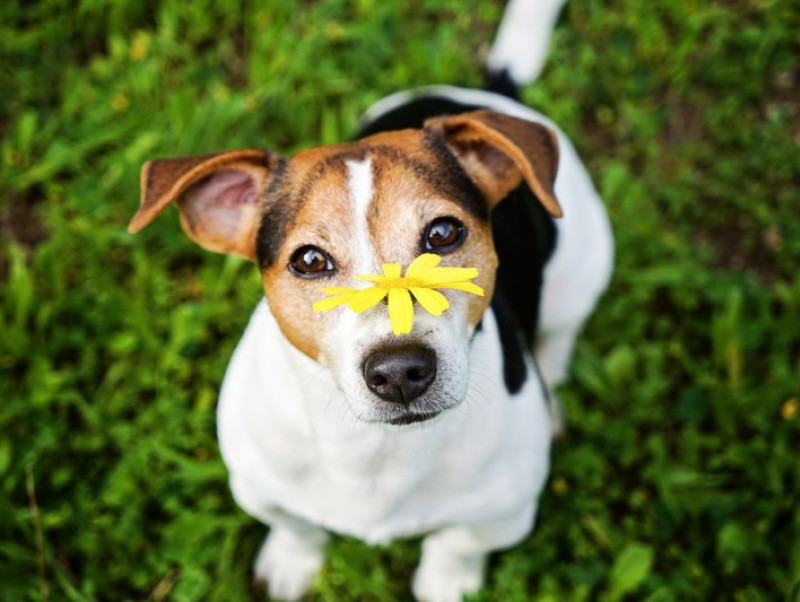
[500, 82]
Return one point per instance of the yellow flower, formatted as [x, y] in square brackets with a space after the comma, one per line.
[420, 280]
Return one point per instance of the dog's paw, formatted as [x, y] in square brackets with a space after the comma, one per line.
[288, 565]
[434, 582]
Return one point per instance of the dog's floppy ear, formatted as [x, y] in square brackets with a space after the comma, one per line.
[498, 151]
[219, 196]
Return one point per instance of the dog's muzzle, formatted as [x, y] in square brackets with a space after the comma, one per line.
[400, 374]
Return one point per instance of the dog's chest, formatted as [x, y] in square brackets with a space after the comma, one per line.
[291, 447]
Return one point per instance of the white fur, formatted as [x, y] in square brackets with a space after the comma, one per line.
[359, 181]
[290, 559]
[523, 38]
[305, 453]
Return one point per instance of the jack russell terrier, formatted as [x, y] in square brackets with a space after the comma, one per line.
[329, 422]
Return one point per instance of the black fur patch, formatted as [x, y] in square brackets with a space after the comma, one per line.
[514, 369]
[279, 212]
[501, 82]
[413, 114]
[524, 238]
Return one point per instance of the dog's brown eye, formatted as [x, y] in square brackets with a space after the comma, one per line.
[310, 262]
[444, 234]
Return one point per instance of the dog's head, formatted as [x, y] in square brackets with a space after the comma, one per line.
[327, 214]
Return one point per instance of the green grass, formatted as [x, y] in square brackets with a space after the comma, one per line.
[679, 478]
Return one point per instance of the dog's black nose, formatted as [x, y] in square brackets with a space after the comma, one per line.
[400, 374]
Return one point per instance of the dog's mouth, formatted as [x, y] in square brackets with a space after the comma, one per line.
[412, 418]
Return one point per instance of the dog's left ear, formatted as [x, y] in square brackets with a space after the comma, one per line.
[218, 195]
[498, 151]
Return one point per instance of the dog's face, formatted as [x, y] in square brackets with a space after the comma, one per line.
[331, 213]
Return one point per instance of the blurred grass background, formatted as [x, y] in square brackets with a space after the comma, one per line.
[679, 478]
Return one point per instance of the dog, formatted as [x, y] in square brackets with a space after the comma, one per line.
[329, 422]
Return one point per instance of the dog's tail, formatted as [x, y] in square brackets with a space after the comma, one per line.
[520, 47]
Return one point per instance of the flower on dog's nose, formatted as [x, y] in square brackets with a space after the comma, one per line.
[420, 280]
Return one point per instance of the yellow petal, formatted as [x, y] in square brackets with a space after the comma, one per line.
[401, 311]
[422, 264]
[366, 298]
[339, 290]
[433, 301]
[467, 287]
[439, 276]
[391, 270]
[331, 302]
[370, 277]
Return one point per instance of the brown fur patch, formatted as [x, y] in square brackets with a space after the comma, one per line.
[319, 179]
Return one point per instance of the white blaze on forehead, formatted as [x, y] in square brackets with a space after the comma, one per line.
[359, 180]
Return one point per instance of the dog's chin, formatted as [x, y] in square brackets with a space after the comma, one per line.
[424, 411]
[403, 417]
[408, 418]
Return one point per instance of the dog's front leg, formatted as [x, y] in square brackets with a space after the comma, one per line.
[454, 559]
[290, 558]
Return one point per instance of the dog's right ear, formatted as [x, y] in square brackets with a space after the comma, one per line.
[218, 195]
[498, 151]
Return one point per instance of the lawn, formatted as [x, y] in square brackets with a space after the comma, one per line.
[679, 476]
